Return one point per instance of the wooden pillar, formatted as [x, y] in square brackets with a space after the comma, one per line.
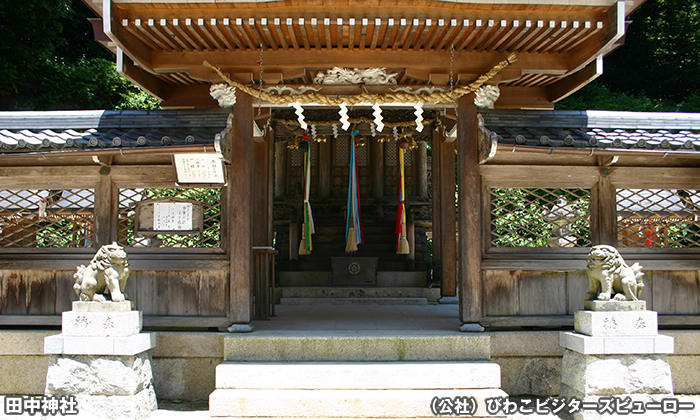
[102, 233]
[377, 155]
[444, 155]
[270, 204]
[422, 170]
[280, 169]
[470, 305]
[240, 234]
[606, 210]
[259, 195]
[324, 169]
[437, 250]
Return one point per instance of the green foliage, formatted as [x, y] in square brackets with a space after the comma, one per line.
[661, 54]
[63, 233]
[657, 67]
[49, 60]
[600, 97]
[518, 216]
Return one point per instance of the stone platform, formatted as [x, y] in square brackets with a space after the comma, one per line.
[615, 354]
[102, 358]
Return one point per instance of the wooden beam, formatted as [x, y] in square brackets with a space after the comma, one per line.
[239, 213]
[515, 97]
[192, 96]
[469, 225]
[138, 76]
[572, 83]
[112, 27]
[40, 177]
[277, 61]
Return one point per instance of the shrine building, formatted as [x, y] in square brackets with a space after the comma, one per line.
[321, 164]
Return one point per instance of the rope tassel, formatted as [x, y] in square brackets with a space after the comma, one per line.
[307, 229]
[402, 246]
[353, 222]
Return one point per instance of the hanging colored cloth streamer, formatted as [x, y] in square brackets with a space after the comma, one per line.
[353, 222]
[402, 246]
[308, 228]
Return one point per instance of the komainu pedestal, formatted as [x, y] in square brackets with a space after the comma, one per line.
[104, 360]
[616, 356]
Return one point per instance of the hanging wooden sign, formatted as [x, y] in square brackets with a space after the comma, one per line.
[201, 169]
[169, 216]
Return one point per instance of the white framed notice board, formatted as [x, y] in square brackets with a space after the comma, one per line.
[169, 216]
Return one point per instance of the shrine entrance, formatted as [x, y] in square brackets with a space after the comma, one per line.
[323, 153]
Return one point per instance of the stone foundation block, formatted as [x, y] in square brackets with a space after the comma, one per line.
[99, 375]
[116, 387]
[108, 306]
[620, 323]
[101, 324]
[584, 344]
[636, 402]
[106, 346]
[615, 305]
[592, 375]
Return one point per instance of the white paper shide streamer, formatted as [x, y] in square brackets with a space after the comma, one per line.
[344, 120]
[378, 119]
[300, 114]
[419, 116]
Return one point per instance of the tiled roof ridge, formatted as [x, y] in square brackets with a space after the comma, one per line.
[626, 120]
[97, 119]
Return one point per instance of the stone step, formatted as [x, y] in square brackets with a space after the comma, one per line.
[358, 375]
[355, 292]
[355, 346]
[312, 403]
[354, 301]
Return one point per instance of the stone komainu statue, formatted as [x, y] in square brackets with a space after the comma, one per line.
[108, 271]
[609, 277]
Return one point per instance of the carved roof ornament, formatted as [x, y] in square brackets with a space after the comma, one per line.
[488, 141]
[486, 96]
[225, 94]
[343, 76]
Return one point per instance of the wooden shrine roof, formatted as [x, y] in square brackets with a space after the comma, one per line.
[161, 45]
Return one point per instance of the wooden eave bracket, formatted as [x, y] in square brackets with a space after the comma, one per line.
[572, 83]
[135, 48]
[140, 77]
[614, 30]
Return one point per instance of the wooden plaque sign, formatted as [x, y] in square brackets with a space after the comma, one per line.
[199, 169]
[169, 215]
